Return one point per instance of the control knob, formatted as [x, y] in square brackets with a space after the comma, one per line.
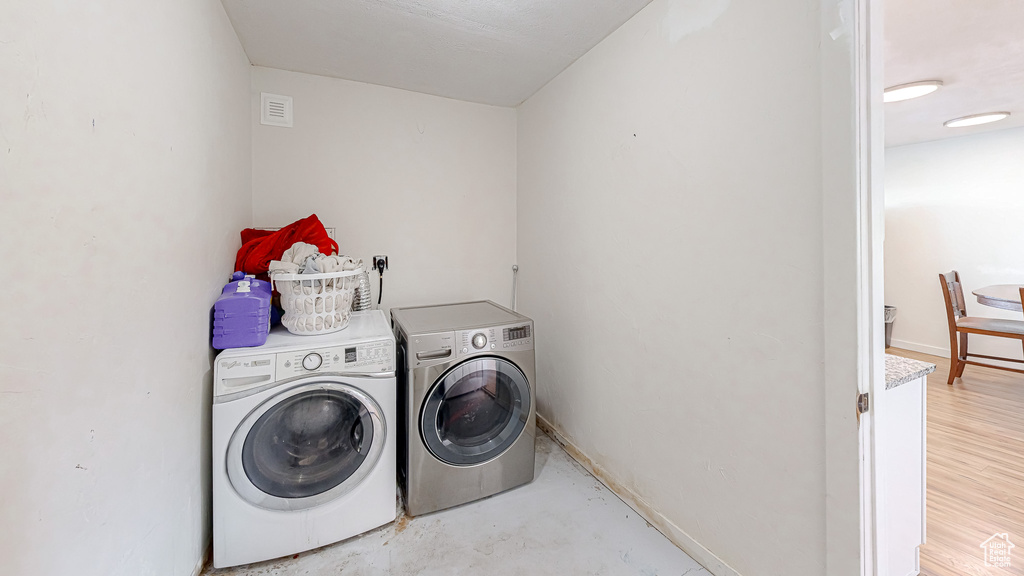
[479, 341]
[312, 361]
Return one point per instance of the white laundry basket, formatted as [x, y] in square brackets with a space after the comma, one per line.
[316, 303]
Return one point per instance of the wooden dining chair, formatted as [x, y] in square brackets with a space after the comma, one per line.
[960, 324]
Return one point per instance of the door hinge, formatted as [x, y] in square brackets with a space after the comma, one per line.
[863, 404]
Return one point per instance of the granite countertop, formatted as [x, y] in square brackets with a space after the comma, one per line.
[899, 370]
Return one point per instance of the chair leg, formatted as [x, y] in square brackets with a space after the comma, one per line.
[963, 355]
[954, 362]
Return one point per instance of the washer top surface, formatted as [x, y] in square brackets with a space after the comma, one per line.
[448, 317]
[363, 326]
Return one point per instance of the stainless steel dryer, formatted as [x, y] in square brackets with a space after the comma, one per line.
[466, 401]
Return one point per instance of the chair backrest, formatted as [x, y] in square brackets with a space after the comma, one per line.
[953, 294]
[1022, 295]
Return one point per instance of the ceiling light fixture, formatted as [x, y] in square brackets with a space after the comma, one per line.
[912, 90]
[975, 119]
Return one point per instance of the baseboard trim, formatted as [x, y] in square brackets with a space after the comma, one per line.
[684, 541]
[943, 352]
[922, 348]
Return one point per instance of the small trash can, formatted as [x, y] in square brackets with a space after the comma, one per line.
[890, 319]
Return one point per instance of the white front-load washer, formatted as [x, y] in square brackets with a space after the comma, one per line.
[304, 446]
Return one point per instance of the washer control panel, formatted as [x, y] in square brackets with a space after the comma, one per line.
[495, 339]
[365, 357]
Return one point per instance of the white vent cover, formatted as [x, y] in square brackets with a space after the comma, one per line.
[275, 110]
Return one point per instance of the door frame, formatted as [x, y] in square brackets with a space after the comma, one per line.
[852, 147]
[870, 138]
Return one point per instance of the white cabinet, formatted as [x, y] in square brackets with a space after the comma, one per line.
[900, 457]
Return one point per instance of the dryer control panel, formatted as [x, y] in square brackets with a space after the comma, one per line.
[495, 339]
[362, 358]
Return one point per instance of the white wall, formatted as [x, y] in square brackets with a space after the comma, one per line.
[125, 177]
[953, 204]
[670, 249]
[428, 181]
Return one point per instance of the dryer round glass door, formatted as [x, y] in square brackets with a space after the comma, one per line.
[306, 445]
[475, 411]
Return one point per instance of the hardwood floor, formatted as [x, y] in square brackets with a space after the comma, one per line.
[975, 468]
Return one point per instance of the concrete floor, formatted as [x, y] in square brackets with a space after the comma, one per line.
[564, 523]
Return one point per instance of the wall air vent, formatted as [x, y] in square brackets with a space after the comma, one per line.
[275, 110]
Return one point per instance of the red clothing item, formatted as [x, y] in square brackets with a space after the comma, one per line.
[250, 234]
[259, 247]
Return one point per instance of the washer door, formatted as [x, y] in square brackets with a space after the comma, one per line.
[305, 446]
[475, 411]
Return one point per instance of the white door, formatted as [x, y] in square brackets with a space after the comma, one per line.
[892, 430]
[306, 445]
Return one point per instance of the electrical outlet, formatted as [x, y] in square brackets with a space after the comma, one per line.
[380, 264]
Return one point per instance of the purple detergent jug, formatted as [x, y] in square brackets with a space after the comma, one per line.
[254, 284]
[241, 316]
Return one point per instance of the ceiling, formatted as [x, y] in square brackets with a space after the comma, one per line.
[490, 51]
[976, 47]
[502, 51]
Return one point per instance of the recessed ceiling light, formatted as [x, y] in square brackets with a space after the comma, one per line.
[912, 90]
[975, 119]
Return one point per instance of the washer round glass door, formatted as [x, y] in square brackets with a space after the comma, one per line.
[307, 445]
[475, 411]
